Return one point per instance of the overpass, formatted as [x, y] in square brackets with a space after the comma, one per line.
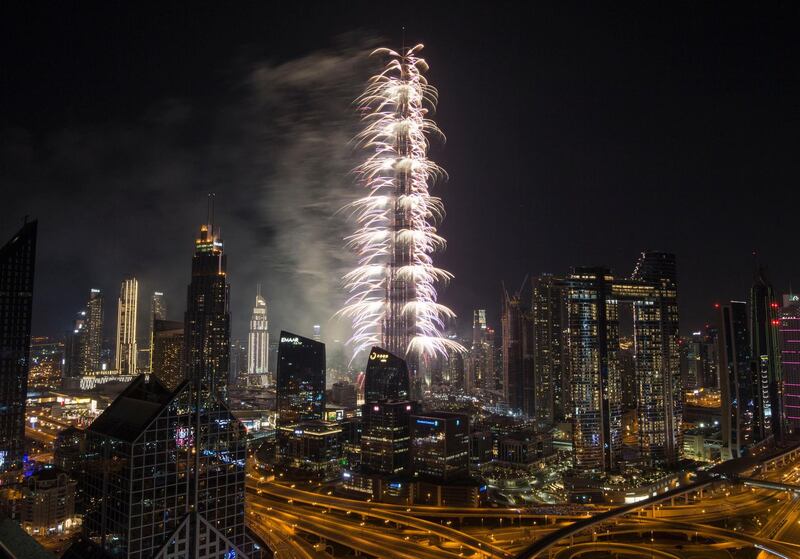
[765, 484]
[727, 470]
[551, 539]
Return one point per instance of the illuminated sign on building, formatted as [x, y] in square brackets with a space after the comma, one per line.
[428, 422]
[382, 356]
[295, 341]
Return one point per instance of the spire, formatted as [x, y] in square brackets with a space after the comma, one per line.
[210, 212]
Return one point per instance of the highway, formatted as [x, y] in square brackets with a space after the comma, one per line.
[727, 516]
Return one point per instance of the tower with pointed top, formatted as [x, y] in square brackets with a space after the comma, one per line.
[207, 318]
[258, 338]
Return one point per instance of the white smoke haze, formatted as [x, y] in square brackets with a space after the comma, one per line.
[128, 197]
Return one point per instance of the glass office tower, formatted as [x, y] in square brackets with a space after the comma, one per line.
[386, 377]
[300, 389]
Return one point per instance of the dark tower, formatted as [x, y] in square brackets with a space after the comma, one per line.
[17, 259]
[300, 386]
[764, 324]
[207, 319]
[386, 377]
[736, 379]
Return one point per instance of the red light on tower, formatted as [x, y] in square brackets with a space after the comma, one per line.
[776, 322]
[774, 305]
[716, 305]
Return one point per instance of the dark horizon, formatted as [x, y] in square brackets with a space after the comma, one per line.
[576, 135]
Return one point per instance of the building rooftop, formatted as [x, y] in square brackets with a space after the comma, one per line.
[133, 410]
[16, 543]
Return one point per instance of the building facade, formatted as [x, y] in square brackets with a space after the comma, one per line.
[440, 446]
[593, 298]
[258, 339]
[549, 377]
[300, 382]
[165, 475]
[386, 377]
[790, 360]
[765, 346]
[127, 348]
[386, 436]
[17, 263]
[519, 390]
[207, 319]
[737, 385]
[167, 352]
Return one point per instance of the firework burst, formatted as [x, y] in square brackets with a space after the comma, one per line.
[392, 298]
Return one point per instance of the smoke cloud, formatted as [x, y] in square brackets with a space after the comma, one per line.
[116, 198]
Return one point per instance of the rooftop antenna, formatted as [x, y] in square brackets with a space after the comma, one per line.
[258, 290]
[210, 213]
[403, 40]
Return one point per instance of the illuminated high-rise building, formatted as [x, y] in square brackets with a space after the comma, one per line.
[17, 261]
[207, 318]
[593, 298]
[165, 469]
[481, 373]
[737, 384]
[547, 347]
[517, 338]
[440, 446]
[258, 338]
[75, 347]
[166, 352]
[790, 360]
[300, 382]
[764, 325]
[386, 377]
[317, 333]
[386, 436]
[158, 311]
[94, 332]
[392, 296]
[653, 295]
[127, 349]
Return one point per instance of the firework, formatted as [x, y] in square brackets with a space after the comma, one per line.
[392, 298]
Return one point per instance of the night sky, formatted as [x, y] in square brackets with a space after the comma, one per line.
[576, 134]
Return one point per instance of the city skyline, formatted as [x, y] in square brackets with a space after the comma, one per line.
[590, 133]
[505, 281]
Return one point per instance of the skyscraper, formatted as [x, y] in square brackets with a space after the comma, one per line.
[386, 436]
[94, 332]
[593, 297]
[764, 324]
[653, 292]
[790, 360]
[207, 318]
[158, 311]
[386, 377]
[440, 445]
[126, 327]
[300, 384]
[166, 352]
[481, 374]
[547, 347]
[166, 469]
[75, 346]
[258, 338]
[392, 296]
[518, 382]
[165, 477]
[736, 380]
[17, 262]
